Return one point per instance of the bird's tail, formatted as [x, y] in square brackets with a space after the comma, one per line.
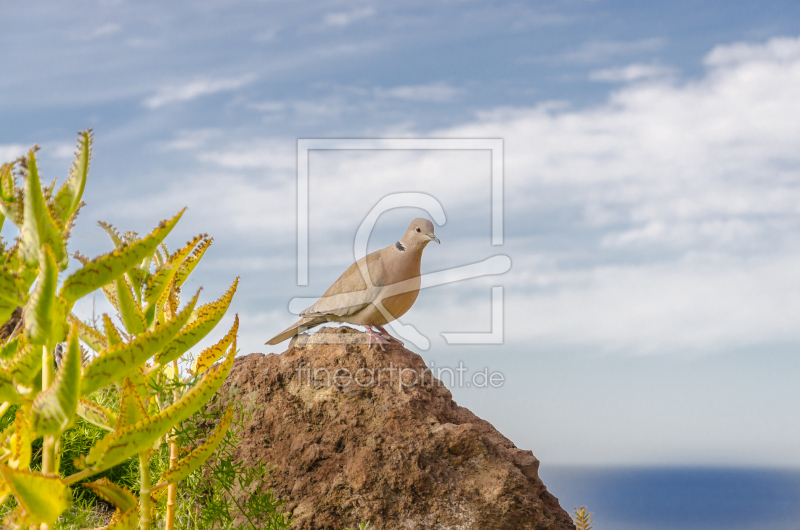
[295, 329]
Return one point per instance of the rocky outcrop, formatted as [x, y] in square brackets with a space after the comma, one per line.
[358, 434]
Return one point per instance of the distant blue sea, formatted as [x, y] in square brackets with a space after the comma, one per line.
[680, 498]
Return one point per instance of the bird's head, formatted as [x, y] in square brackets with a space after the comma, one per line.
[419, 234]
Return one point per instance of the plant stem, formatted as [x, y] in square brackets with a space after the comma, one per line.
[49, 442]
[172, 489]
[144, 492]
[80, 475]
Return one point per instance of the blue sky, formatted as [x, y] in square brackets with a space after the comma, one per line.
[652, 183]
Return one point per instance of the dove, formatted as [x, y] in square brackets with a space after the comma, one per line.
[373, 291]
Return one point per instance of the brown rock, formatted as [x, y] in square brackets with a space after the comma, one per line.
[357, 434]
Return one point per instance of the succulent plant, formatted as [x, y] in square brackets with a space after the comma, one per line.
[142, 342]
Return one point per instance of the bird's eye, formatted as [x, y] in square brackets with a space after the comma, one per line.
[418, 230]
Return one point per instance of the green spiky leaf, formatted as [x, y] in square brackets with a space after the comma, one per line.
[111, 294]
[44, 315]
[7, 308]
[7, 181]
[42, 497]
[38, 227]
[69, 196]
[94, 339]
[113, 234]
[118, 361]
[155, 287]
[126, 516]
[20, 442]
[129, 310]
[112, 334]
[108, 267]
[211, 354]
[96, 414]
[8, 389]
[9, 349]
[11, 287]
[191, 262]
[206, 318]
[11, 207]
[188, 464]
[26, 363]
[110, 492]
[118, 446]
[140, 384]
[131, 409]
[54, 409]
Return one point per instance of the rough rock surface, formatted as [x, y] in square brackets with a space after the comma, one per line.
[357, 434]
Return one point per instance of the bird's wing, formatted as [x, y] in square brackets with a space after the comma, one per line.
[350, 293]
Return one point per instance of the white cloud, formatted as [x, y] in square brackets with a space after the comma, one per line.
[685, 231]
[673, 210]
[195, 89]
[595, 51]
[435, 92]
[9, 152]
[632, 72]
[254, 154]
[99, 32]
[343, 19]
[776, 50]
[191, 140]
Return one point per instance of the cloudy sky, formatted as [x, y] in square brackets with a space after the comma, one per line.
[652, 188]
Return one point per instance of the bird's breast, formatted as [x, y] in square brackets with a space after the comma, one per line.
[398, 298]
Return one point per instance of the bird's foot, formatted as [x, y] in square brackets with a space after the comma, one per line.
[387, 336]
[373, 335]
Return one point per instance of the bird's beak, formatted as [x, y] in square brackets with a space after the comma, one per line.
[434, 238]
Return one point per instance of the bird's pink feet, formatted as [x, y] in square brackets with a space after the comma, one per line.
[374, 335]
[387, 336]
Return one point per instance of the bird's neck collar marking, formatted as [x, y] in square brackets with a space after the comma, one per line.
[400, 246]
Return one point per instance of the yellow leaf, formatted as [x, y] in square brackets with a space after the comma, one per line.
[109, 267]
[112, 334]
[20, 442]
[120, 497]
[210, 355]
[42, 497]
[96, 414]
[131, 410]
[54, 409]
[206, 318]
[118, 446]
[90, 336]
[118, 361]
[188, 464]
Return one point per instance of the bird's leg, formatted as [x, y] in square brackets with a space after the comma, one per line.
[373, 335]
[388, 336]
